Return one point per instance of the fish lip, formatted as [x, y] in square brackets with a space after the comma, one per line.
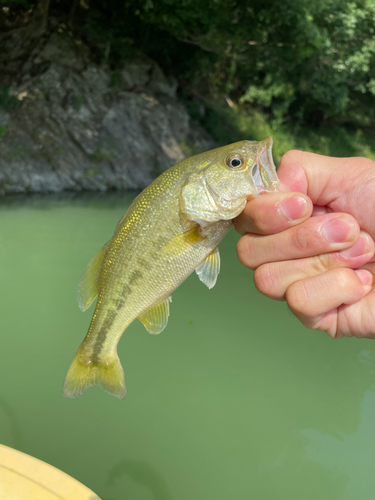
[264, 177]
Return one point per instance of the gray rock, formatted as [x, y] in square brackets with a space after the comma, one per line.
[4, 118]
[74, 131]
[63, 51]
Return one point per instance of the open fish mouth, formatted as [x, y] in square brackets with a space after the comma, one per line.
[263, 171]
[262, 178]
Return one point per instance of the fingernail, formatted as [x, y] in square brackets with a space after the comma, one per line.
[365, 277]
[294, 208]
[359, 248]
[338, 230]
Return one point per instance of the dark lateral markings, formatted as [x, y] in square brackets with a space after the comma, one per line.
[135, 277]
[143, 263]
[108, 322]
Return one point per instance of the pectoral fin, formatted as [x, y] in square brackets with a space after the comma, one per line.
[87, 289]
[156, 319]
[210, 268]
[187, 239]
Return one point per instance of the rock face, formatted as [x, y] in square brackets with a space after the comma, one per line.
[81, 127]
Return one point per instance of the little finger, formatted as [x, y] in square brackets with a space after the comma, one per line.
[310, 299]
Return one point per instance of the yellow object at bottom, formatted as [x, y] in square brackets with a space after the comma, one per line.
[26, 478]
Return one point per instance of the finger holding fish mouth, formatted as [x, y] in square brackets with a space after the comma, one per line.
[319, 244]
[273, 213]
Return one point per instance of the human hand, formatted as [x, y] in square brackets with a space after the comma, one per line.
[312, 262]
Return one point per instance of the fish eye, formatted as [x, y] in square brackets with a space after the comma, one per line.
[234, 161]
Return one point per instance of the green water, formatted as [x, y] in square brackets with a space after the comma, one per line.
[233, 401]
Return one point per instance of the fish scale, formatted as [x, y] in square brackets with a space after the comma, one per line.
[171, 229]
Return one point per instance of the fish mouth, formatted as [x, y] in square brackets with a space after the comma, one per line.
[263, 170]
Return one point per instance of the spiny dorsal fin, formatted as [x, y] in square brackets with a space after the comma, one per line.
[156, 319]
[87, 289]
[210, 268]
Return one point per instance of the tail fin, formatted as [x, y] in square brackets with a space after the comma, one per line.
[85, 372]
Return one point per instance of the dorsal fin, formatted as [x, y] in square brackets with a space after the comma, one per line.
[87, 289]
[156, 319]
[210, 268]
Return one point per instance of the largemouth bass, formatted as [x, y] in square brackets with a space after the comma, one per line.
[170, 230]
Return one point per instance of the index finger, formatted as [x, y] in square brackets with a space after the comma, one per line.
[273, 212]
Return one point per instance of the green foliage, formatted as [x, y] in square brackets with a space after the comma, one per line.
[299, 63]
[7, 101]
[116, 79]
[234, 124]
[79, 101]
[12, 4]
[3, 130]
[103, 155]
[297, 60]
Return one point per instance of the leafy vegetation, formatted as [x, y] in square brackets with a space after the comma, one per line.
[233, 124]
[303, 71]
[7, 101]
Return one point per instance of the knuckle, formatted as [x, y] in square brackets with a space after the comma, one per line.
[290, 156]
[330, 328]
[261, 214]
[297, 298]
[242, 222]
[362, 166]
[364, 162]
[301, 238]
[244, 252]
[344, 278]
[237, 224]
[319, 264]
[262, 221]
[264, 279]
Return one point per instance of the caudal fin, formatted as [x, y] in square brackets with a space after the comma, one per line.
[85, 372]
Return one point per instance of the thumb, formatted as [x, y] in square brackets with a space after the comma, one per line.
[323, 178]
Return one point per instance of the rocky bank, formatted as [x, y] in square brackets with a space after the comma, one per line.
[76, 126]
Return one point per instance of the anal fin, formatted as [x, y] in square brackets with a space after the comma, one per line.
[156, 319]
[87, 289]
[210, 268]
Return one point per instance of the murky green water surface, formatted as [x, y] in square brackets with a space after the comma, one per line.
[234, 400]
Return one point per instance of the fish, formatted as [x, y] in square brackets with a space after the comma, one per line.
[171, 229]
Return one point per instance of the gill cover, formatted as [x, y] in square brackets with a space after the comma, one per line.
[220, 190]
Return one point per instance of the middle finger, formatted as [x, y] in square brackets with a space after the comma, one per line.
[317, 235]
